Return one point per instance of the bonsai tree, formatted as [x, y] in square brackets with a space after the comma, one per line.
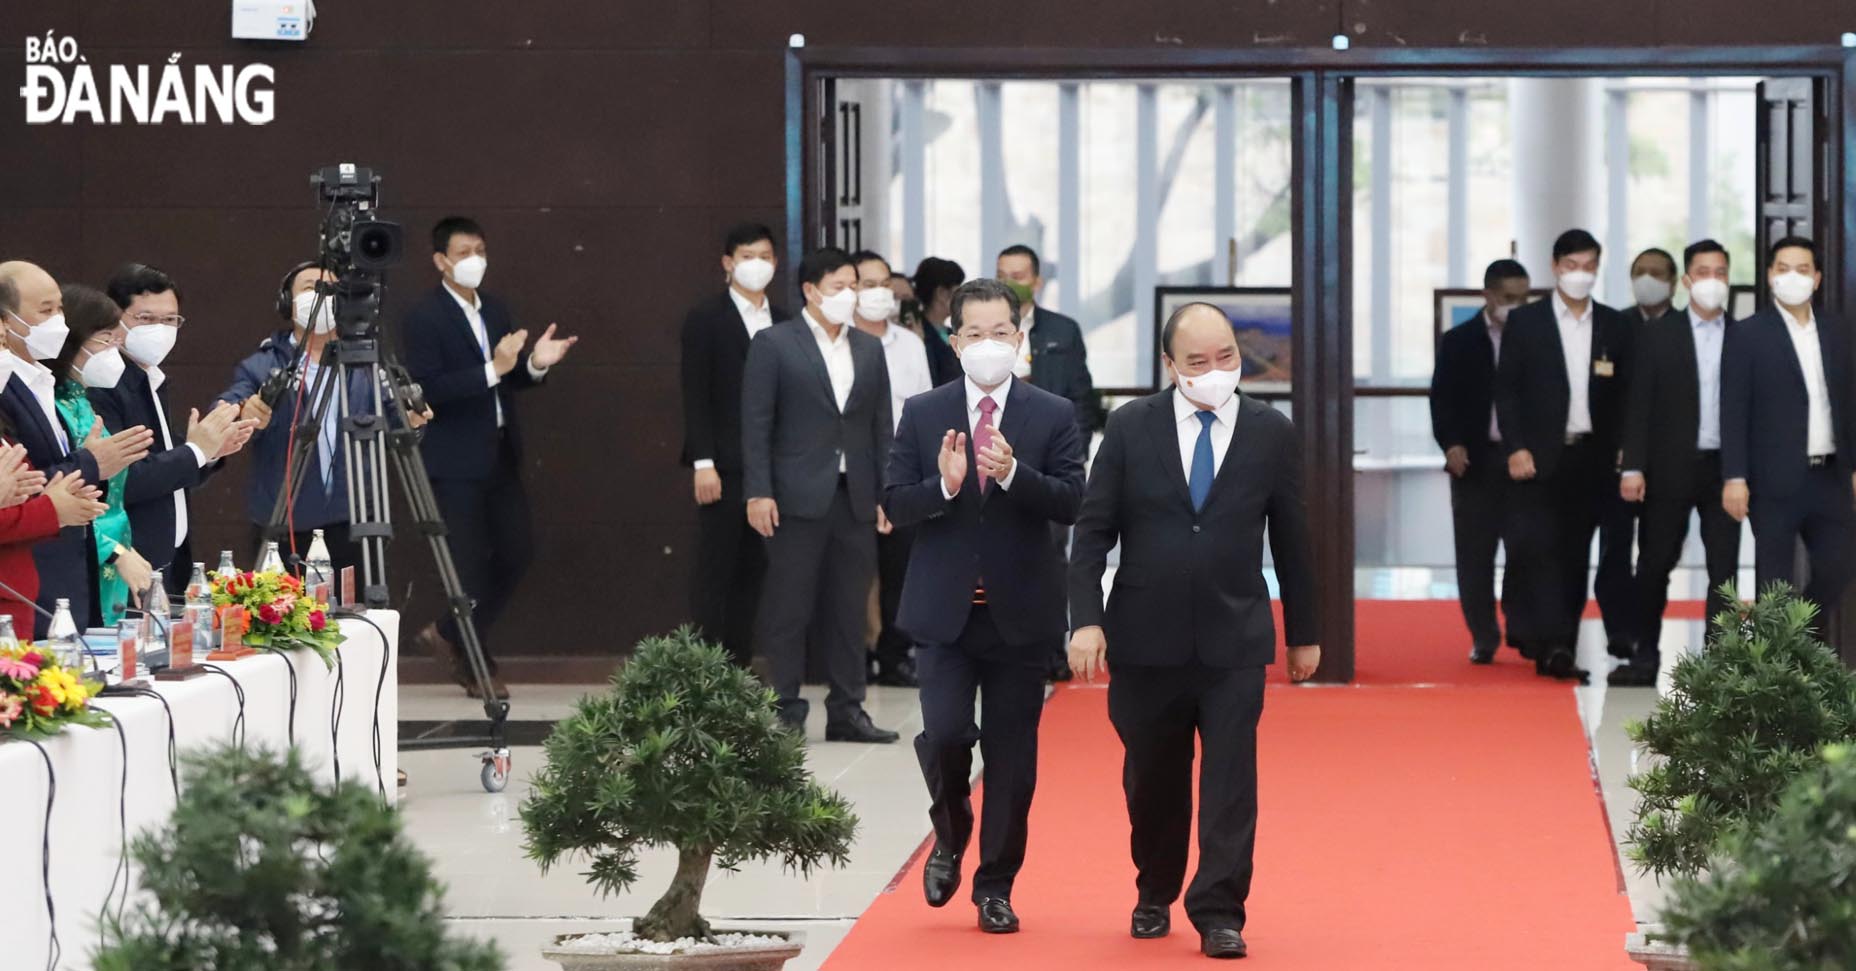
[686, 751]
[1779, 894]
[1745, 717]
[263, 869]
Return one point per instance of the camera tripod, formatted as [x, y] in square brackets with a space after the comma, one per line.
[370, 442]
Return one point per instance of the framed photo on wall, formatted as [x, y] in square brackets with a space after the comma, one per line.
[1454, 307]
[1262, 318]
[1742, 301]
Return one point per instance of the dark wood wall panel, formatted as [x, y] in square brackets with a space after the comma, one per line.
[606, 146]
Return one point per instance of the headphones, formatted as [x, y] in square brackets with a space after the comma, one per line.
[286, 301]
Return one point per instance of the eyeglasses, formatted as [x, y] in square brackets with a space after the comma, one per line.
[167, 320]
[103, 341]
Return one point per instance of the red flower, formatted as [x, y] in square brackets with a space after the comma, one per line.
[42, 700]
[318, 620]
[33, 658]
[268, 614]
[290, 582]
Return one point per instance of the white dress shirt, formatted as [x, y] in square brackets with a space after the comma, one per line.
[44, 387]
[998, 396]
[907, 358]
[473, 312]
[1819, 437]
[758, 318]
[156, 378]
[1576, 341]
[1710, 337]
[1021, 368]
[1185, 420]
[1495, 339]
[839, 365]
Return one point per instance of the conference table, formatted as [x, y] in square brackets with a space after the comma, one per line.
[336, 720]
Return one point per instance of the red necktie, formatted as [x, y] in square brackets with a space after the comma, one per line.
[982, 435]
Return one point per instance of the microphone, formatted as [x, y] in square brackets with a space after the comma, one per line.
[48, 615]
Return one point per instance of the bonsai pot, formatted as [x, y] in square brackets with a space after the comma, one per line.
[1657, 953]
[597, 952]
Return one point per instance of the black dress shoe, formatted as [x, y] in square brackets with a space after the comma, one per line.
[1622, 650]
[858, 729]
[1632, 676]
[1223, 942]
[996, 916]
[1559, 665]
[1482, 654]
[1151, 921]
[940, 876]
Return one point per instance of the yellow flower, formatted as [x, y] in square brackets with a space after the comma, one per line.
[65, 687]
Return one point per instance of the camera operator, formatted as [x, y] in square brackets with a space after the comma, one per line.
[464, 349]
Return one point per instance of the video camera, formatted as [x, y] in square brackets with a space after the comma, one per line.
[354, 237]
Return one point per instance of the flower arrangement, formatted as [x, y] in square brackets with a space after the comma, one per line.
[283, 615]
[39, 696]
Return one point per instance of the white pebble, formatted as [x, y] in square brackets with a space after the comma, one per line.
[626, 943]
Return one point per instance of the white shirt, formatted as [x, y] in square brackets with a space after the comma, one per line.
[1021, 368]
[156, 378]
[44, 387]
[1819, 439]
[1495, 338]
[907, 358]
[1185, 420]
[757, 318]
[473, 312]
[1576, 341]
[1710, 337]
[839, 365]
[974, 396]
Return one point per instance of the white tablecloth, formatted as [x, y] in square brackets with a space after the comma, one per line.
[86, 832]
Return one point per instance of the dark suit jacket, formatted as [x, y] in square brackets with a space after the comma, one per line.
[943, 363]
[715, 351]
[67, 565]
[1634, 318]
[1664, 412]
[1190, 586]
[792, 433]
[148, 495]
[1765, 413]
[1001, 536]
[443, 355]
[1463, 386]
[1060, 364]
[1533, 395]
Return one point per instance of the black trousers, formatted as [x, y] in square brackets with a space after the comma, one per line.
[731, 560]
[1009, 680]
[1818, 513]
[492, 541]
[1551, 523]
[1615, 585]
[1477, 504]
[892, 559]
[818, 578]
[1665, 527]
[1156, 711]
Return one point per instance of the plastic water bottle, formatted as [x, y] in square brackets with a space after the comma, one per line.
[320, 570]
[154, 640]
[272, 561]
[226, 565]
[8, 639]
[61, 638]
[199, 610]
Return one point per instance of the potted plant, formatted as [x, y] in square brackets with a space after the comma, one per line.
[1780, 895]
[262, 868]
[1742, 719]
[686, 751]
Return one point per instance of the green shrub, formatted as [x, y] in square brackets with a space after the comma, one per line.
[1780, 895]
[686, 750]
[263, 869]
[1743, 719]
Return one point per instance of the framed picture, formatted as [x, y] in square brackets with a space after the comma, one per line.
[1454, 307]
[1742, 301]
[1262, 318]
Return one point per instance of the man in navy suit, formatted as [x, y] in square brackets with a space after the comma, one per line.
[32, 312]
[982, 468]
[464, 349]
[1787, 452]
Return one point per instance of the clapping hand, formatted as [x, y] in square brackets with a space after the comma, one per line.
[119, 451]
[13, 486]
[76, 502]
[549, 350]
[995, 460]
[508, 351]
[952, 461]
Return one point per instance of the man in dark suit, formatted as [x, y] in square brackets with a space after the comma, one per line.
[981, 468]
[464, 349]
[155, 493]
[1559, 398]
[1054, 356]
[1652, 287]
[1463, 422]
[32, 311]
[730, 558]
[1787, 448]
[815, 424]
[1672, 451]
[1187, 480]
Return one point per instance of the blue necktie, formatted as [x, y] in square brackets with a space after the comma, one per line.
[1200, 485]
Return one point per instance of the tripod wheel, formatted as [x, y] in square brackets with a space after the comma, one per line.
[495, 774]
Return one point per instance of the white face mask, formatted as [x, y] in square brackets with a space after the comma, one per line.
[1650, 291]
[839, 307]
[988, 362]
[1792, 289]
[876, 303]
[149, 344]
[753, 275]
[1211, 389]
[325, 315]
[45, 340]
[1577, 284]
[468, 272]
[1708, 293]
[1499, 313]
[105, 368]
